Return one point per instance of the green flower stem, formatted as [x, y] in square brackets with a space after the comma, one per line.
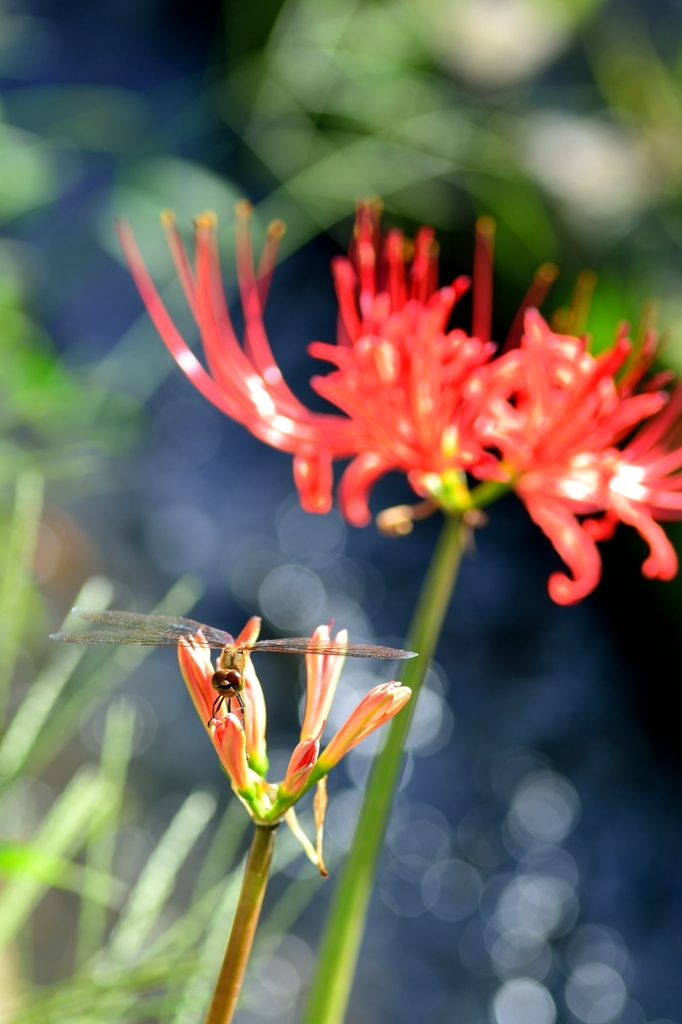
[487, 492]
[244, 926]
[345, 925]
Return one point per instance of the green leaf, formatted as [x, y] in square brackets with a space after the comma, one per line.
[62, 832]
[16, 581]
[158, 877]
[36, 708]
[28, 861]
[116, 750]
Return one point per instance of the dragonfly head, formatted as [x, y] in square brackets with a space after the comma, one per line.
[227, 682]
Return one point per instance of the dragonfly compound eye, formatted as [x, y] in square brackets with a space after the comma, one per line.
[225, 681]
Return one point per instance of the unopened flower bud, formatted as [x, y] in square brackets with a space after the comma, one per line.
[380, 704]
[322, 673]
[254, 719]
[230, 742]
[301, 764]
[197, 671]
[255, 716]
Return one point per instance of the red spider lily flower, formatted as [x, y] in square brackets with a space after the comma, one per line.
[322, 675]
[375, 708]
[556, 414]
[545, 418]
[406, 384]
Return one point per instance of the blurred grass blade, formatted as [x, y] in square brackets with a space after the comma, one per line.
[224, 845]
[117, 664]
[214, 876]
[116, 750]
[158, 877]
[87, 1000]
[172, 963]
[197, 991]
[61, 834]
[25, 859]
[286, 912]
[16, 580]
[22, 732]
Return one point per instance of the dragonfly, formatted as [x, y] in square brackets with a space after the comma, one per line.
[228, 678]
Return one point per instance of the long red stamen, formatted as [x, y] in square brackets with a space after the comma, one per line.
[366, 263]
[544, 278]
[224, 354]
[176, 344]
[394, 255]
[482, 318]
[256, 344]
[424, 264]
[180, 259]
[579, 310]
[345, 282]
[268, 258]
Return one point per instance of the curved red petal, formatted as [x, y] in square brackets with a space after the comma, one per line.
[662, 562]
[575, 547]
[356, 483]
[314, 479]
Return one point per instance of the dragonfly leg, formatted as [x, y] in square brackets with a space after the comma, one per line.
[214, 711]
[242, 705]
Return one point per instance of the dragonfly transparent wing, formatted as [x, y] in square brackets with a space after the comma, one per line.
[167, 631]
[148, 630]
[305, 645]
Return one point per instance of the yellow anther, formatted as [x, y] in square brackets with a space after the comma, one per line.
[485, 226]
[395, 522]
[372, 203]
[276, 228]
[476, 518]
[398, 521]
[206, 220]
[243, 209]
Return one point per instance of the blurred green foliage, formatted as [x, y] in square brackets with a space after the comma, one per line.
[48, 420]
[559, 118]
[349, 99]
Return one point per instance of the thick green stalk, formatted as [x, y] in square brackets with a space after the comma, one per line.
[244, 926]
[345, 925]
